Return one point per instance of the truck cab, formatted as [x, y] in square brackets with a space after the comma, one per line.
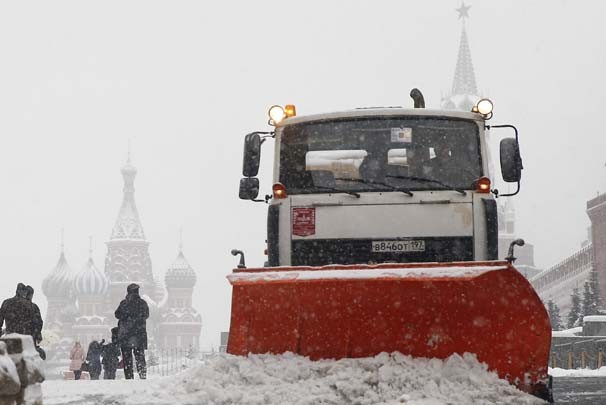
[383, 185]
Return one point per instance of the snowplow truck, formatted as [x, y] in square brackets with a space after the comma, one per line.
[381, 237]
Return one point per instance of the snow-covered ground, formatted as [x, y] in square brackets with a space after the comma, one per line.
[578, 372]
[292, 379]
[568, 332]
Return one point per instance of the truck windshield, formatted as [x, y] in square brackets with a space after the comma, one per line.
[380, 154]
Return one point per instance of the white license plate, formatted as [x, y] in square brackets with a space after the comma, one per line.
[398, 246]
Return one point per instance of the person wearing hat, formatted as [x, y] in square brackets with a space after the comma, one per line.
[18, 313]
[132, 314]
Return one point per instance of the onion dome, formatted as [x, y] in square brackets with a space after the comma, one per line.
[180, 274]
[91, 280]
[59, 282]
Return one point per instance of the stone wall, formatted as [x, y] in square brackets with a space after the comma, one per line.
[557, 282]
[596, 210]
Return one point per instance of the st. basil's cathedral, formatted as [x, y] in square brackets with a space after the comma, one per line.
[81, 303]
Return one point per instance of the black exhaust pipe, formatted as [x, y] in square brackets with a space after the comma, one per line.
[417, 96]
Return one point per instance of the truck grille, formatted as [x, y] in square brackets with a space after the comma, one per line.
[320, 252]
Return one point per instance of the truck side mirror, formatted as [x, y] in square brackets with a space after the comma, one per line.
[511, 161]
[249, 188]
[252, 155]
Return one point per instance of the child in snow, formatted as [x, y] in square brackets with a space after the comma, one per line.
[111, 354]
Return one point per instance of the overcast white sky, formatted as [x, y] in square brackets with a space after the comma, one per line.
[186, 80]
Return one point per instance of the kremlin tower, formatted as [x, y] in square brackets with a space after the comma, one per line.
[464, 93]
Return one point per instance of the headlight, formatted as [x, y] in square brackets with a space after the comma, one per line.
[276, 114]
[484, 106]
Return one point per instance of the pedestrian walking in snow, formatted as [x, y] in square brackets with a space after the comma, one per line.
[93, 359]
[111, 357]
[37, 322]
[76, 355]
[17, 313]
[132, 314]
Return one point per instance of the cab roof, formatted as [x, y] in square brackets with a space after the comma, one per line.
[381, 112]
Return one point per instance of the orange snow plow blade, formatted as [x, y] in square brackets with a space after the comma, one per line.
[420, 309]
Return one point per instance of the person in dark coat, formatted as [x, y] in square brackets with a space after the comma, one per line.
[111, 354]
[17, 313]
[37, 322]
[93, 359]
[132, 334]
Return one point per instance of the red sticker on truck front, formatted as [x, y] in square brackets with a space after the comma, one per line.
[303, 221]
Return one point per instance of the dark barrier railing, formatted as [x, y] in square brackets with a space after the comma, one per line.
[170, 361]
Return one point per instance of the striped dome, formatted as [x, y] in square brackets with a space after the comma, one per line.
[59, 282]
[90, 280]
[180, 273]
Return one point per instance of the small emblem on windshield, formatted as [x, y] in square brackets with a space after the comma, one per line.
[303, 221]
[401, 135]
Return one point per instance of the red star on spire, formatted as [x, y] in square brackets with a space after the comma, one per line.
[463, 11]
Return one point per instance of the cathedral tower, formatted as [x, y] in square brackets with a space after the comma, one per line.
[127, 260]
[181, 323]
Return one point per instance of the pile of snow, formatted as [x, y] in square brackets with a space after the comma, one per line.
[568, 332]
[395, 378]
[579, 372]
[9, 379]
[291, 379]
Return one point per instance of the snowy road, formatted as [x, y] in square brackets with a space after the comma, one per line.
[59, 392]
[579, 390]
[291, 379]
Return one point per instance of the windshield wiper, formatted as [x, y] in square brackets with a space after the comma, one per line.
[424, 179]
[336, 190]
[372, 183]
